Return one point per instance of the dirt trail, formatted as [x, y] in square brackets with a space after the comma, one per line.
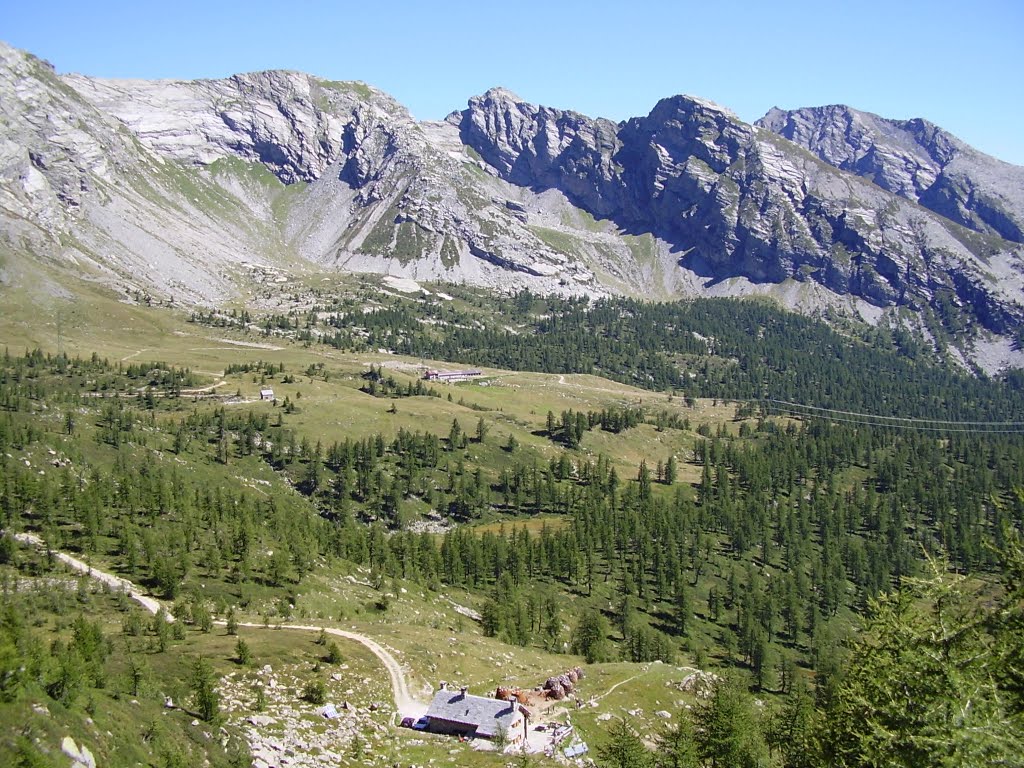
[201, 390]
[621, 682]
[116, 582]
[405, 703]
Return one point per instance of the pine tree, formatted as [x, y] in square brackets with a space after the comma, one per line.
[334, 655]
[670, 470]
[796, 729]
[243, 654]
[922, 686]
[162, 629]
[728, 734]
[455, 436]
[683, 607]
[315, 692]
[644, 479]
[624, 749]
[204, 692]
[591, 637]
[677, 744]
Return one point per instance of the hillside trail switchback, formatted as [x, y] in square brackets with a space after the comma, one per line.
[406, 704]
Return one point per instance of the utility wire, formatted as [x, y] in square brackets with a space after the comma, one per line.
[895, 422]
[897, 418]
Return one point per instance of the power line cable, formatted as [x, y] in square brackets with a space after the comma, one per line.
[895, 422]
[896, 418]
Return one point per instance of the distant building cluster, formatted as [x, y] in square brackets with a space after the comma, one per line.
[451, 376]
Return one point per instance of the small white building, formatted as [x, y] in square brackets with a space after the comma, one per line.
[451, 376]
[266, 394]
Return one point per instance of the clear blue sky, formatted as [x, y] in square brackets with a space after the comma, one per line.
[958, 64]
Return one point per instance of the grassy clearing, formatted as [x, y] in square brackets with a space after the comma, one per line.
[126, 721]
[117, 725]
[459, 654]
[561, 242]
[359, 89]
[533, 524]
[636, 692]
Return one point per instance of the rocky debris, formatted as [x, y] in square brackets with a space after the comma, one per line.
[562, 685]
[555, 689]
[291, 732]
[80, 756]
[700, 684]
[464, 611]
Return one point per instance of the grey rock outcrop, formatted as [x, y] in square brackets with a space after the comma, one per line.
[183, 189]
[915, 160]
[540, 147]
[294, 124]
[736, 201]
[81, 756]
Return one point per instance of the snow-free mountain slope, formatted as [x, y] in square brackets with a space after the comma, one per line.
[916, 160]
[192, 189]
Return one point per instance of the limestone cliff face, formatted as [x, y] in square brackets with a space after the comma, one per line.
[52, 145]
[294, 124]
[181, 187]
[164, 186]
[533, 146]
[915, 160]
[736, 201]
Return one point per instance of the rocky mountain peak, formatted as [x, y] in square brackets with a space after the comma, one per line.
[844, 135]
[684, 127]
[688, 104]
[941, 146]
[536, 146]
[914, 159]
[737, 204]
[498, 94]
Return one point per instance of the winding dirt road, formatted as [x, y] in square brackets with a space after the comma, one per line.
[405, 703]
[116, 582]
